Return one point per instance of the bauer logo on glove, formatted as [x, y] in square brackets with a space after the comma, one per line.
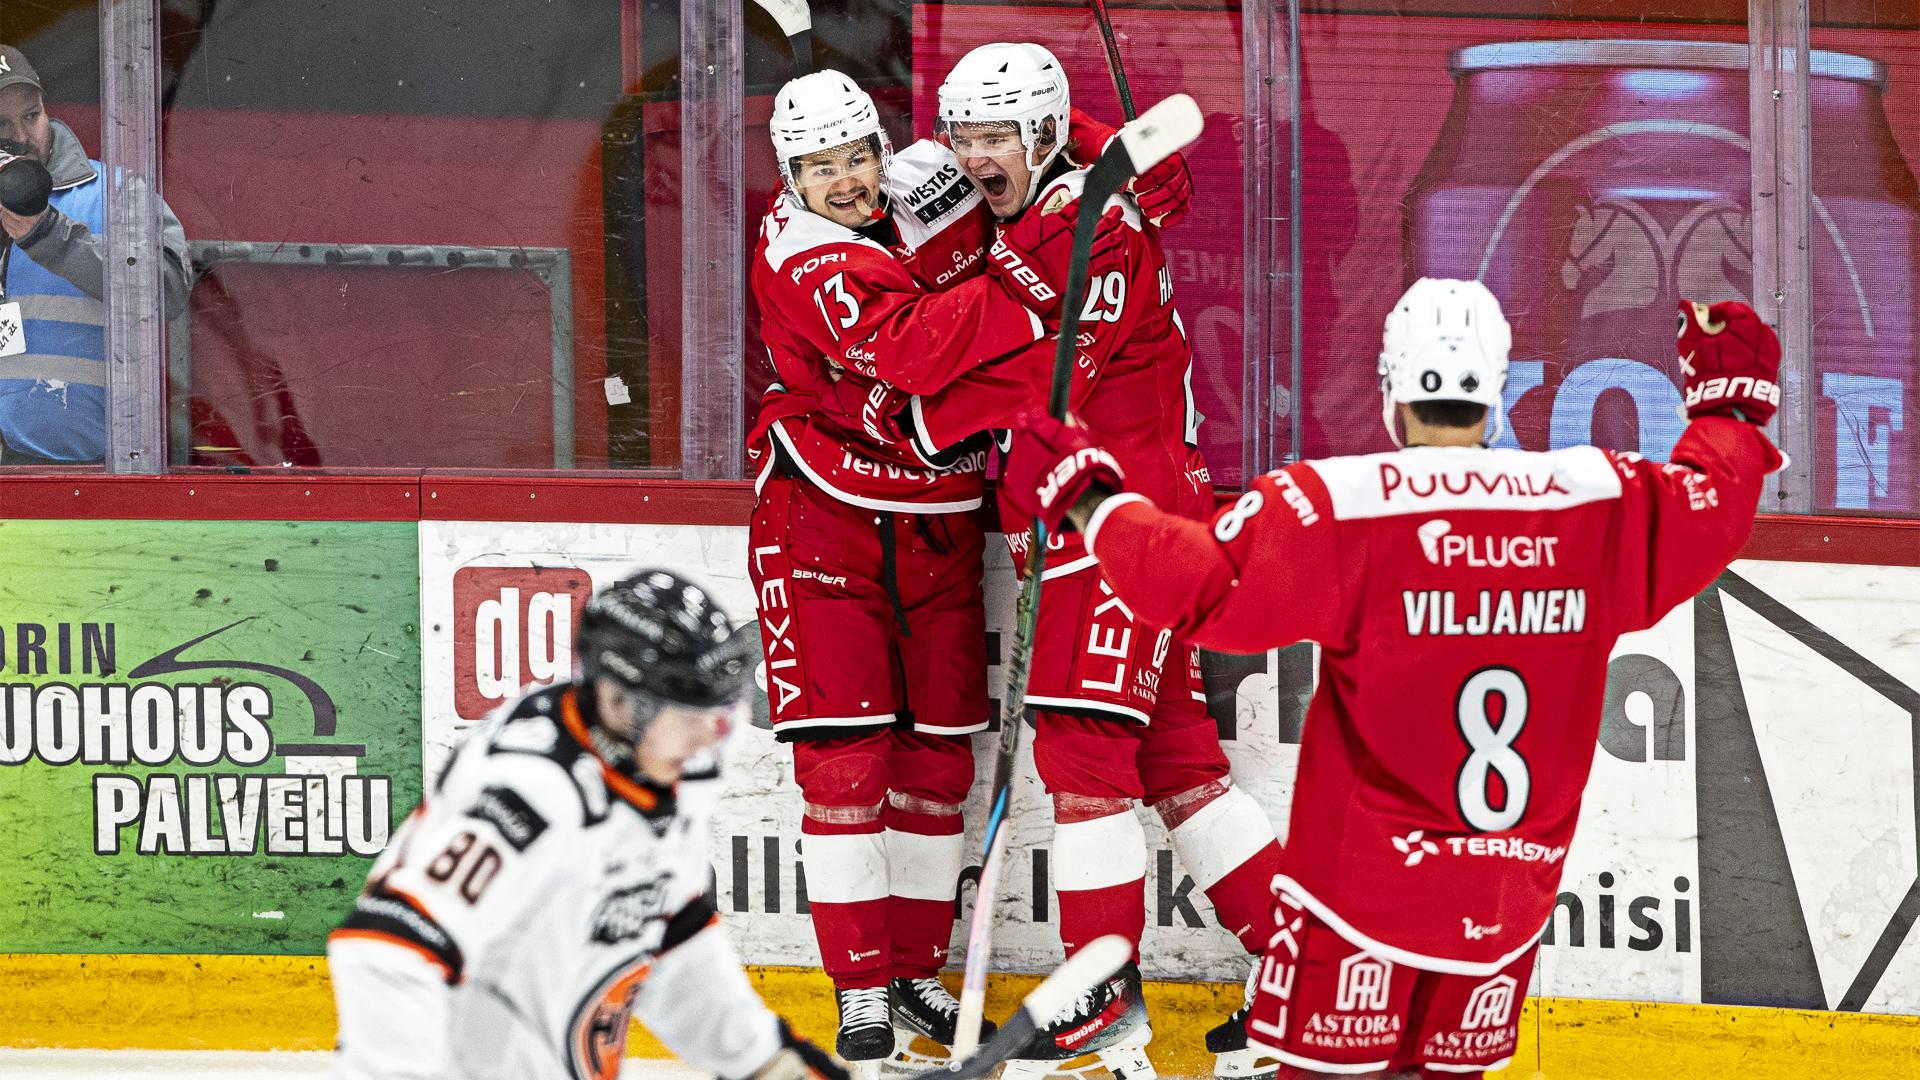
[1067, 469]
[1730, 360]
[1052, 464]
[1023, 275]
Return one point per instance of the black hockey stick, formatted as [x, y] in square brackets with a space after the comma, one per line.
[1141, 144]
[1113, 58]
[1082, 973]
[796, 21]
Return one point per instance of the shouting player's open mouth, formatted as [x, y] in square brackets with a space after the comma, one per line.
[996, 186]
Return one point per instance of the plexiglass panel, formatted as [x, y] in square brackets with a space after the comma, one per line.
[1587, 162]
[398, 218]
[53, 204]
[1865, 233]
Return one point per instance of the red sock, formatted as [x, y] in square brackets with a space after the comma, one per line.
[1100, 870]
[847, 894]
[925, 853]
[1226, 842]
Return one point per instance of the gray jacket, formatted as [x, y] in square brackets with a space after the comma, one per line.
[73, 251]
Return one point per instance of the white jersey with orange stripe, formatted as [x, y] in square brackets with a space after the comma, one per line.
[534, 902]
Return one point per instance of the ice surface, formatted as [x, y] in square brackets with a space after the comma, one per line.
[223, 1065]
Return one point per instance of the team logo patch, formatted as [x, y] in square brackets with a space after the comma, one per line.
[1490, 1004]
[1415, 846]
[625, 915]
[1056, 202]
[505, 810]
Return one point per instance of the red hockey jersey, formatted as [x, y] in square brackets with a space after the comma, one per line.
[1465, 601]
[830, 296]
[1132, 380]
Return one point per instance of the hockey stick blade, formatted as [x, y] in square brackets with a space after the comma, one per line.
[795, 18]
[1161, 131]
[792, 15]
[1082, 972]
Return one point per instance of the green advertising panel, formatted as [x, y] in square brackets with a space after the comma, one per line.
[207, 729]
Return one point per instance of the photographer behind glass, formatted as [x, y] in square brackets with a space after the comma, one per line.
[53, 254]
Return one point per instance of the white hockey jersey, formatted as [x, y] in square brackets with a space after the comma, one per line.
[534, 901]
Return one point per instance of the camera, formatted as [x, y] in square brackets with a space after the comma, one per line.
[25, 184]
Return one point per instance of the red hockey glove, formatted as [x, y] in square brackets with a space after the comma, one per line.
[1731, 361]
[1086, 137]
[1051, 466]
[1031, 255]
[866, 405]
[1164, 192]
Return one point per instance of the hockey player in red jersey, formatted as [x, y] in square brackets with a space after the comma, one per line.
[864, 551]
[865, 558]
[1120, 710]
[1465, 601]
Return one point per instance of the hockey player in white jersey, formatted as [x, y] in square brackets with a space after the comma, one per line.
[555, 882]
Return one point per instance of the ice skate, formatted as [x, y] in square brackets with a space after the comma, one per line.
[925, 1017]
[1106, 1028]
[1233, 1059]
[865, 1040]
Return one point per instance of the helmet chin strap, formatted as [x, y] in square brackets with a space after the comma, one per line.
[1037, 173]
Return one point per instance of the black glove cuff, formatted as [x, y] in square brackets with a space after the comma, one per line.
[48, 219]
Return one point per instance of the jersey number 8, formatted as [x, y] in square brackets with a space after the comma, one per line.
[1235, 519]
[1492, 748]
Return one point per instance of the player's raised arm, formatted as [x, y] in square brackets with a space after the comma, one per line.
[1277, 540]
[1687, 519]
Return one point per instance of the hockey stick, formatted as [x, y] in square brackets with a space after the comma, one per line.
[796, 21]
[1141, 144]
[1113, 58]
[1082, 973]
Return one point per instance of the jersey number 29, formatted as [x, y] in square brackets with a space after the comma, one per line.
[1106, 298]
[1492, 753]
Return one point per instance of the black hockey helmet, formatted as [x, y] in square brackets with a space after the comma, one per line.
[660, 634]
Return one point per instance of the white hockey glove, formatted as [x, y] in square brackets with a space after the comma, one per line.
[799, 1059]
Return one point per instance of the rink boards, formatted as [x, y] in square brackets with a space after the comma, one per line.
[1748, 838]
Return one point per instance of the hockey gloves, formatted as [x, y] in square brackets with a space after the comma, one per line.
[1164, 192]
[1052, 465]
[1731, 361]
[1030, 257]
[799, 1059]
[867, 405]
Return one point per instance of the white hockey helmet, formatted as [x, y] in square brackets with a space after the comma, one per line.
[819, 112]
[1009, 81]
[1445, 340]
